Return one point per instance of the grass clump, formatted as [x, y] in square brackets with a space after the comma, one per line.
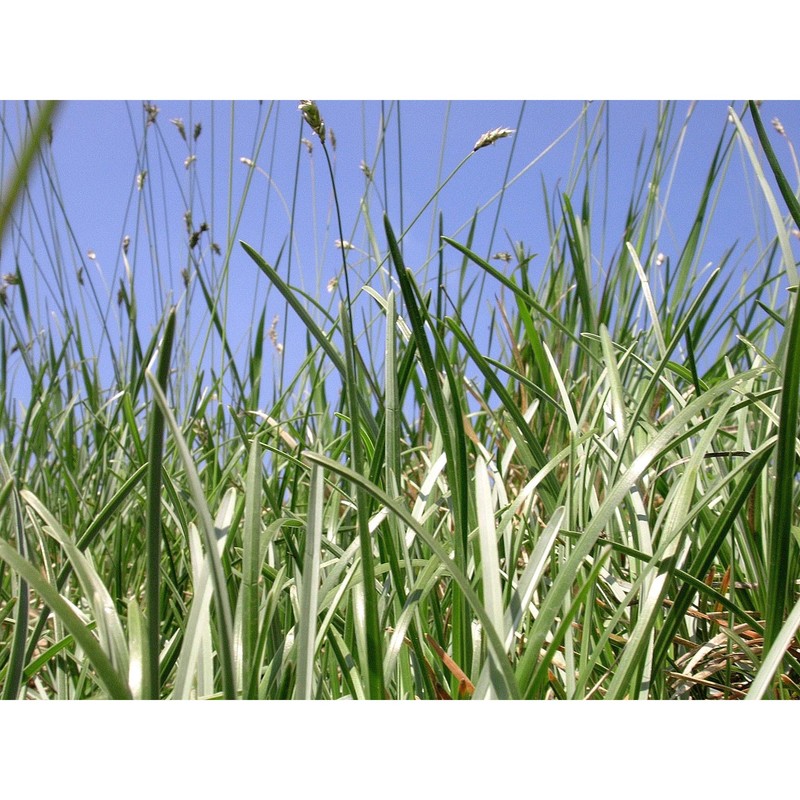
[587, 491]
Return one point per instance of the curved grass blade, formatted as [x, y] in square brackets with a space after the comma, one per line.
[15, 186]
[496, 647]
[634, 667]
[772, 660]
[16, 658]
[224, 617]
[701, 563]
[553, 601]
[522, 432]
[769, 197]
[113, 682]
[97, 595]
[311, 326]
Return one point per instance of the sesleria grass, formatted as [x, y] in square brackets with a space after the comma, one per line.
[595, 499]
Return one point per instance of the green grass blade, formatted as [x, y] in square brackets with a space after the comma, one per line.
[224, 617]
[153, 527]
[493, 641]
[307, 623]
[769, 197]
[115, 684]
[30, 150]
[16, 659]
[251, 570]
[451, 427]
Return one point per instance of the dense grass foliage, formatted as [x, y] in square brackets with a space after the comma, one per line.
[599, 500]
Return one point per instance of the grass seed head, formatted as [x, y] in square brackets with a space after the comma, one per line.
[178, 123]
[490, 137]
[152, 112]
[312, 116]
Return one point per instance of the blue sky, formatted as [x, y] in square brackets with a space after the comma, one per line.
[99, 150]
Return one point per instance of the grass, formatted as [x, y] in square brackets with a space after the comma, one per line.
[593, 496]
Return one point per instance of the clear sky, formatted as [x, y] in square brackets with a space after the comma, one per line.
[100, 149]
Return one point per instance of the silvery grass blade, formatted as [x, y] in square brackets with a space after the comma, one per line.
[752, 467]
[109, 627]
[494, 643]
[428, 575]
[307, 622]
[529, 580]
[649, 301]
[571, 607]
[95, 527]
[527, 584]
[769, 196]
[112, 681]
[632, 674]
[195, 654]
[775, 655]
[137, 651]
[616, 495]
[272, 601]
[155, 451]
[663, 363]
[209, 535]
[395, 378]
[489, 563]
[12, 679]
[369, 636]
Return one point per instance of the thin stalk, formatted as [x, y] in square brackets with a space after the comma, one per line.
[153, 525]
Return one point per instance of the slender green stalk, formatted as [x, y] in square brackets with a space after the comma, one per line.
[30, 151]
[153, 531]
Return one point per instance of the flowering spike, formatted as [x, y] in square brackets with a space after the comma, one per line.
[178, 123]
[312, 116]
[490, 137]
